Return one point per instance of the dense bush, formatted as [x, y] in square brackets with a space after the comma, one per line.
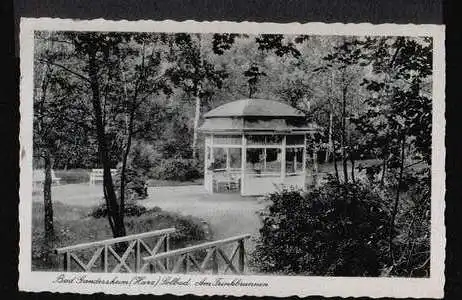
[176, 169]
[335, 230]
[131, 209]
[143, 156]
[411, 253]
[188, 228]
[42, 251]
[136, 187]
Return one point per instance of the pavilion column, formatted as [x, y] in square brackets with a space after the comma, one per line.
[211, 161]
[211, 149]
[243, 162]
[228, 162]
[264, 160]
[206, 164]
[283, 158]
[294, 160]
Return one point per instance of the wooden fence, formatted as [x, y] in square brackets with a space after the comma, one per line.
[117, 254]
[186, 260]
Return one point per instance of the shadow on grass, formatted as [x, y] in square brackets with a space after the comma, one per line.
[73, 225]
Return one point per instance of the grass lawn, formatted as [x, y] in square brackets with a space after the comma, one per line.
[78, 194]
[73, 225]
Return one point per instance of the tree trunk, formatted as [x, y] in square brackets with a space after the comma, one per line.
[330, 147]
[115, 216]
[47, 203]
[315, 166]
[251, 90]
[352, 160]
[129, 132]
[334, 158]
[351, 153]
[125, 156]
[343, 137]
[197, 110]
[397, 196]
[384, 171]
[124, 164]
[196, 125]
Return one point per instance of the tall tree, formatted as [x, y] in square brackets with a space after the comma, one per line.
[142, 71]
[398, 119]
[56, 105]
[116, 89]
[345, 65]
[194, 73]
[96, 48]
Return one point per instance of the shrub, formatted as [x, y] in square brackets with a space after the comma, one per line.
[42, 251]
[176, 169]
[188, 228]
[131, 209]
[135, 173]
[335, 230]
[136, 187]
[412, 241]
[143, 156]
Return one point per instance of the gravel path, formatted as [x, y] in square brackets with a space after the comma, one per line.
[227, 214]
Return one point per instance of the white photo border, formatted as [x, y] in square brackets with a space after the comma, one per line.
[281, 286]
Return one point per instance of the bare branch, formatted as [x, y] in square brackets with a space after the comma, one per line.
[413, 164]
[66, 69]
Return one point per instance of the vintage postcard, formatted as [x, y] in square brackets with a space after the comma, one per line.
[224, 158]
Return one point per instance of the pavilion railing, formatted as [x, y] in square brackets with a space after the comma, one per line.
[202, 258]
[115, 255]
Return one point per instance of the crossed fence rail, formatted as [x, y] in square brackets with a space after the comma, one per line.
[107, 251]
[184, 260]
[138, 256]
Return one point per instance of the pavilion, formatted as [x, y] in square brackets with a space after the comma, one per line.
[252, 146]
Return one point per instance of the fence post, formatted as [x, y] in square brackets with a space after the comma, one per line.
[138, 256]
[64, 267]
[214, 261]
[186, 263]
[67, 261]
[166, 249]
[241, 256]
[105, 259]
[101, 256]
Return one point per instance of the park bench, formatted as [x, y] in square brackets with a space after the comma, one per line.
[227, 179]
[38, 177]
[97, 175]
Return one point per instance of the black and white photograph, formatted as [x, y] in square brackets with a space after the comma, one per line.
[227, 159]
